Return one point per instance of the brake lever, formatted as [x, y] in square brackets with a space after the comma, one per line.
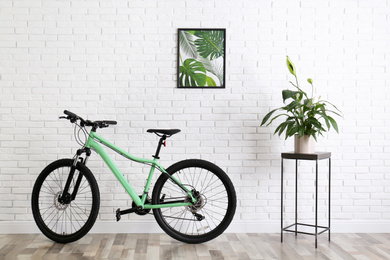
[72, 120]
[102, 125]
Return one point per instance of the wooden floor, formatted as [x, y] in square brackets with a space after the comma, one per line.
[227, 246]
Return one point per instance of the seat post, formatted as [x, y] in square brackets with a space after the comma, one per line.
[161, 142]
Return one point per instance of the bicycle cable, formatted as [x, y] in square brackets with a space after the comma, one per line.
[77, 134]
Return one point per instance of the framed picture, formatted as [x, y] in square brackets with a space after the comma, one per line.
[201, 58]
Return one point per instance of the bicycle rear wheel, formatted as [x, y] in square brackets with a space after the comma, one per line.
[209, 216]
[65, 222]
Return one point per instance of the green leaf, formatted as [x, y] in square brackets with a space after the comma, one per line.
[334, 124]
[277, 128]
[331, 105]
[275, 118]
[320, 106]
[286, 94]
[315, 122]
[210, 43]
[289, 127]
[293, 105]
[192, 74]
[291, 66]
[292, 131]
[331, 111]
[326, 120]
[281, 128]
[308, 102]
[210, 82]
[301, 131]
[267, 116]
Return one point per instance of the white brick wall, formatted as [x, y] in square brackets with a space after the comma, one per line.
[117, 60]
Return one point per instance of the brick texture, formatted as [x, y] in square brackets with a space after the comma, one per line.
[117, 60]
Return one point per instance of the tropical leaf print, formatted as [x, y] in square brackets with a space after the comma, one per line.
[192, 73]
[210, 44]
[187, 44]
[215, 67]
[201, 58]
[210, 82]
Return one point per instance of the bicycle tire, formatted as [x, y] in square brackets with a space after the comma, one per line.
[216, 203]
[65, 223]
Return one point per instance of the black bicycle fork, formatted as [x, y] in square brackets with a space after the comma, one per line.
[66, 198]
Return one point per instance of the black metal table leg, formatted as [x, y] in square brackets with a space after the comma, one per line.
[296, 196]
[316, 220]
[329, 198]
[281, 199]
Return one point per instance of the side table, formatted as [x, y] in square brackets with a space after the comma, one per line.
[313, 157]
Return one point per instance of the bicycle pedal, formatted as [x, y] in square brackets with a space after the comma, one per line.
[118, 215]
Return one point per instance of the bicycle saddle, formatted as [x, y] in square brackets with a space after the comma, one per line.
[167, 132]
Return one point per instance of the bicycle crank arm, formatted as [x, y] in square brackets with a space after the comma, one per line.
[120, 212]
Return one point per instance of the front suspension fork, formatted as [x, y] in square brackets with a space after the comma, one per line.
[66, 198]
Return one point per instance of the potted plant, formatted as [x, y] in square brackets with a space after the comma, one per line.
[304, 116]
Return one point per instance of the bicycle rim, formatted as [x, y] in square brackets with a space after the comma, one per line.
[59, 221]
[213, 211]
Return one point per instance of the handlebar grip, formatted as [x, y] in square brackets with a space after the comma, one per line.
[70, 114]
[73, 118]
[110, 122]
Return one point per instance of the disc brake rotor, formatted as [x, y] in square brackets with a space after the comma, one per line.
[198, 205]
[57, 204]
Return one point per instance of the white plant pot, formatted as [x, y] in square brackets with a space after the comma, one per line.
[305, 144]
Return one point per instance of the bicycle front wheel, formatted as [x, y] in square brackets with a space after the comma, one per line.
[209, 216]
[65, 221]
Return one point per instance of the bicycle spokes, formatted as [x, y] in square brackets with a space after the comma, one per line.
[212, 208]
[62, 214]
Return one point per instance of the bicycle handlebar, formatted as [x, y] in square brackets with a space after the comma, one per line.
[72, 117]
[95, 124]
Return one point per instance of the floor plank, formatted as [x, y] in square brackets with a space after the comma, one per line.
[227, 246]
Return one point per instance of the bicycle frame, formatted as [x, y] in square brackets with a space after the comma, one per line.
[93, 142]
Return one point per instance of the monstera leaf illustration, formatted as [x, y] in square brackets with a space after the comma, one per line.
[211, 82]
[192, 73]
[210, 43]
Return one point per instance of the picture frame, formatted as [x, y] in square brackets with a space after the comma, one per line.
[201, 58]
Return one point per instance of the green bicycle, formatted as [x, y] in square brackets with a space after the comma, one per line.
[193, 200]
